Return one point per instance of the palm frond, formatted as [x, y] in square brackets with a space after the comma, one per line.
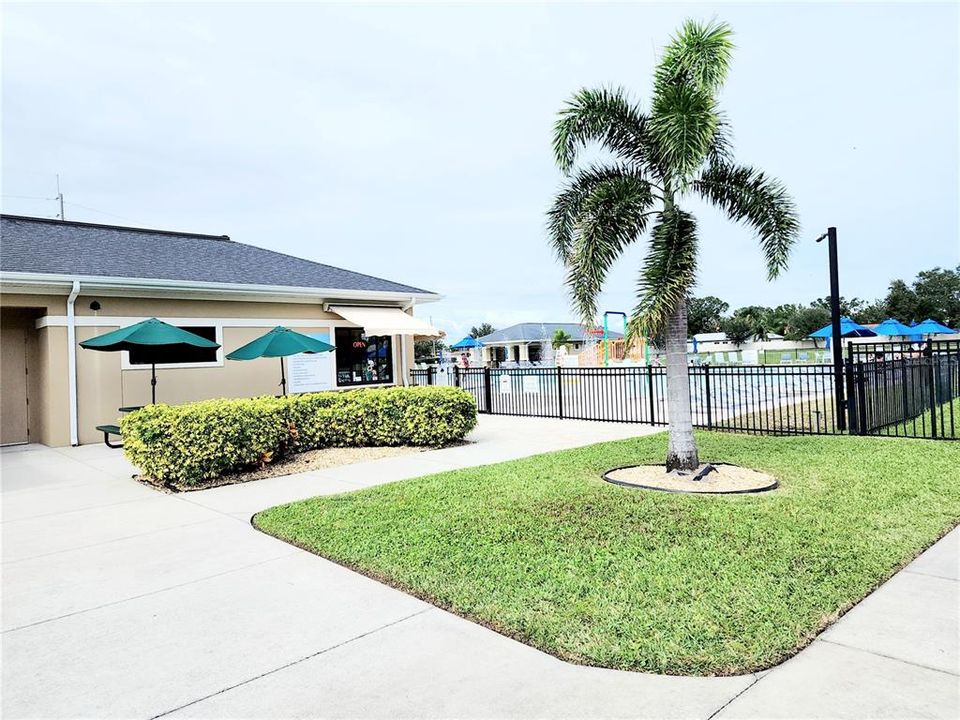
[762, 202]
[612, 216]
[699, 55]
[604, 116]
[669, 272]
[563, 216]
[683, 125]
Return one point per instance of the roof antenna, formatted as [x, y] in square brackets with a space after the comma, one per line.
[60, 197]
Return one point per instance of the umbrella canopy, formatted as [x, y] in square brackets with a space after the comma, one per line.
[147, 334]
[931, 327]
[467, 343]
[280, 342]
[892, 326]
[848, 328]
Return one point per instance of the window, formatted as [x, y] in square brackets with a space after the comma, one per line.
[176, 355]
[363, 359]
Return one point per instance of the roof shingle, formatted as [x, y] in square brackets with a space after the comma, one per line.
[38, 245]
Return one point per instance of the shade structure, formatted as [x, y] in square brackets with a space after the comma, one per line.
[385, 320]
[848, 328]
[145, 335]
[467, 343]
[280, 342]
[894, 327]
[931, 327]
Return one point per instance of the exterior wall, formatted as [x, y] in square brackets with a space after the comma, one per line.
[105, 383]
[54, 393]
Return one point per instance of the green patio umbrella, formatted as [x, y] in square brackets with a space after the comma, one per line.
[143, 336]
[280, 342]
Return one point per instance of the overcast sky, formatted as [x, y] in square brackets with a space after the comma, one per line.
[413, 141]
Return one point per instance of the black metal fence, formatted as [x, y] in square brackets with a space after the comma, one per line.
[755, 399]
[906, 393]
[904, 389]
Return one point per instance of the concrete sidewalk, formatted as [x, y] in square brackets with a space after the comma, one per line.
[119, 601]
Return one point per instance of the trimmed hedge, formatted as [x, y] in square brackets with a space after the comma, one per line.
[199, 441]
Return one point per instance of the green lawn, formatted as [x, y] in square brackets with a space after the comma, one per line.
[543, 550]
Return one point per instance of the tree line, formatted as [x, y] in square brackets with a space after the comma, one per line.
[932, 294]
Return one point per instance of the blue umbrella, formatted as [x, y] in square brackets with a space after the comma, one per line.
[848, 328]
[891, 326]
[467, 343]
[931, 327]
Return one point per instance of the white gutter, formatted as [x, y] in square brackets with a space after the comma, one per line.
[72, 363]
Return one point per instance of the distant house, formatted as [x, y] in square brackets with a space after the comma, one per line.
[64, 282]
[533, 342]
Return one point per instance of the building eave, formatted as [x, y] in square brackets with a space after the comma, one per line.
[44, 283]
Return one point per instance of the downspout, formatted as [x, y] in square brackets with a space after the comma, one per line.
[403, 349]
[72, 363]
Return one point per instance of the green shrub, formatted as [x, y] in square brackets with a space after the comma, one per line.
[200, 441]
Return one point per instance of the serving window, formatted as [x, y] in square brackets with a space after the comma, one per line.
[363, 359]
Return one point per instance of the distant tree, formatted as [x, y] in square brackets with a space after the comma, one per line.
[806, 320]
[428, 348]
[937, 295]
[704, 314]
[754, 317]
[561, 338]
[482, 329]
[738, 329]
[778, 320]
[850, 308]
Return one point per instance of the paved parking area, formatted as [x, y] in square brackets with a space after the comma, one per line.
[119, 601]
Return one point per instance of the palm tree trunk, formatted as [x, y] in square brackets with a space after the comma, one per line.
[682, 451]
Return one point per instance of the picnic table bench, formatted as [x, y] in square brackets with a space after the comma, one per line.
[109, 430]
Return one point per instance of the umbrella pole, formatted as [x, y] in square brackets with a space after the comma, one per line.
[153, 383]
[283, 379]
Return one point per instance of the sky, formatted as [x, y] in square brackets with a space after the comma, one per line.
[413, 141]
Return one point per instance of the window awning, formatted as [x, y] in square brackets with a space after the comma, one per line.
[384, 320]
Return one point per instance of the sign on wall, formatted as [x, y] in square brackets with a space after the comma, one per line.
[311, 372]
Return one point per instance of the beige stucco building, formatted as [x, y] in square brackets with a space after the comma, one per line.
[64, 282]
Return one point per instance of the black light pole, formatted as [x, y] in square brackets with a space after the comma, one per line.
[838, 397]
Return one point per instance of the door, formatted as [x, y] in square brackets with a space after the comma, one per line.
[13, 385]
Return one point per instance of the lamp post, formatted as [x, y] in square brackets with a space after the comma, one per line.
[838, 394]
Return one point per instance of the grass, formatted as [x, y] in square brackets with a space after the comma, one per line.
[948, 422]
[543, 550]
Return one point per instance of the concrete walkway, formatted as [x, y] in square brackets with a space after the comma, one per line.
[119, 601]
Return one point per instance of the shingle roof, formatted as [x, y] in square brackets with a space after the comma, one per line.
[535, 332]
[38, 245]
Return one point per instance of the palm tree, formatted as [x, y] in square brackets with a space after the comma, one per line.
[678, 150]
[561, 338]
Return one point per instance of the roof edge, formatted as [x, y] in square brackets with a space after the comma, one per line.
[10, 281]
[105, 226]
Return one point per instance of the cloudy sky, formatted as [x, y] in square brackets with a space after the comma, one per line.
[413, 141]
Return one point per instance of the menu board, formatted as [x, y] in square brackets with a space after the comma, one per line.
[311, 372]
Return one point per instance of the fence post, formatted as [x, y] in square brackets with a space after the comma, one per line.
[430, 371]
[650, 393]
[560, 390]
[928, 360]
[861, 401]
[456, 376]
[851, 397]
[706, 376]
[487, 393]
